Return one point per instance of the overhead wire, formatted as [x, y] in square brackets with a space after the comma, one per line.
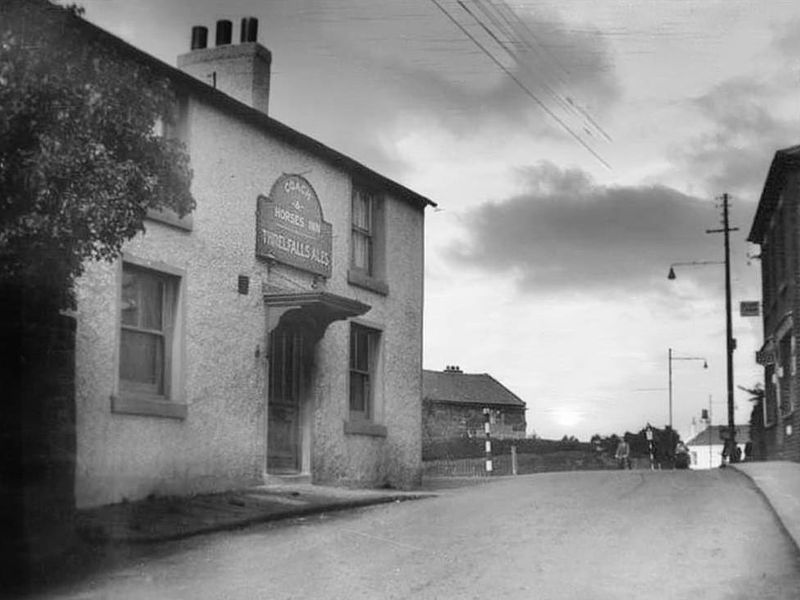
[508, 47]
[520, 33]
[516, 80]
[525, 34]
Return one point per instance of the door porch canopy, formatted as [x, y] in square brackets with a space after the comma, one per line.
[318, 309]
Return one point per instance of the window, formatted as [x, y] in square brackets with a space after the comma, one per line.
[173, 127]
[367, 241]
[785, 357]
[147, 324]
[363, 230]
[766, 273]
[363, 358]
[770, 396]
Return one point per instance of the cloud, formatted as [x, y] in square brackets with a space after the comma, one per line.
[734, 152]
[567, 233]
[383, 68]
[412, 67]
[787, 40]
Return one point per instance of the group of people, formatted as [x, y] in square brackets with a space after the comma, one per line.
[680, 458]
[731, 453]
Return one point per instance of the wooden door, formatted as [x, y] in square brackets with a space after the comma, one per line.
[288, 347]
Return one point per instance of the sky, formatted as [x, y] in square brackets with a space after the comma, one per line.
[576, 149]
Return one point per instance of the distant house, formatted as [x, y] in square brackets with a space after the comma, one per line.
[453, 403]
[705, 447]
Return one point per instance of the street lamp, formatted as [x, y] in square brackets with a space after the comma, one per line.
[693, 263]
[670, 358]
[730, 341]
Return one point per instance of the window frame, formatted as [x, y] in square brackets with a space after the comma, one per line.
[786, 374]
[173, 126]
[134, 398]
[365, 373]
[365, 422]
[770, 396]
[162, 334]
[365, 231]
[372, 276]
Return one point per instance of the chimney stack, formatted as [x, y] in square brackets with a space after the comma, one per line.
[199, 37]
[248, 31]
[224, 32]
[241, 71]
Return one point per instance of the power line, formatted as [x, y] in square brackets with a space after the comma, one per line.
[518, 39]
[521, 34]
[519, 83]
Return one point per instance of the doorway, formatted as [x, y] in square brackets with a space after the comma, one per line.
[291, 346]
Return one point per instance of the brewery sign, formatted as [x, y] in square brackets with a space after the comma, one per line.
[290, 228]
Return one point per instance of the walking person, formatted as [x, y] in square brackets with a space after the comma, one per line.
[623, 454]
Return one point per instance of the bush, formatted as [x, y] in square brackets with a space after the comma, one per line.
[475, 447]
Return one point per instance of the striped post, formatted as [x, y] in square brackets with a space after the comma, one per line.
[488, 447]
[513, 459]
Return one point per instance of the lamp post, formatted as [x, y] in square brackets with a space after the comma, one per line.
[730, 342]
[693, 263]
[670, 358]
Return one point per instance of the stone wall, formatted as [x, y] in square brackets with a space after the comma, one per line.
[442, 421]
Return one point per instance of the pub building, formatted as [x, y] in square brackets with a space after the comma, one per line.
[275, 331]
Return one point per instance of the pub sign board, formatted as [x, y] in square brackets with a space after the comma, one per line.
[290, 228]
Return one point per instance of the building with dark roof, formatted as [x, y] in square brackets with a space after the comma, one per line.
[274, 331]
[453, 403]
[776, 229]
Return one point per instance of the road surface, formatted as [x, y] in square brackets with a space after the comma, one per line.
[577, 535]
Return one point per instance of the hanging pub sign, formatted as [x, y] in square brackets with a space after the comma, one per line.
[290, 228]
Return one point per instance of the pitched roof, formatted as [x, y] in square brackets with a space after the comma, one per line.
[711, 435]
[467, 388]
[783, 162]
[253, 116]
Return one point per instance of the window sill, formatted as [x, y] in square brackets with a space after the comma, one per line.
[364, 428]
[148, 407]
[362, 280]
[171, 218]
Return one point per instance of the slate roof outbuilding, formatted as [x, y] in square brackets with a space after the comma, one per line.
[467, 388]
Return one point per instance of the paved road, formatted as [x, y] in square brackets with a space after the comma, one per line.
[581, 535]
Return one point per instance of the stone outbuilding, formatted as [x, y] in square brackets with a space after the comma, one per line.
[454, 402]
[275, 331]
[776, 229]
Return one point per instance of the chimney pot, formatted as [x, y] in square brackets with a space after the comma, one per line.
[249, 30]
[224, 32]
[199, 37]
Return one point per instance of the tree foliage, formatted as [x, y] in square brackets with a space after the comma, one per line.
[757, 396]
[81, 160]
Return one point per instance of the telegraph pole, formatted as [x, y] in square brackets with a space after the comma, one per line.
[669, 360]
[730, 341]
